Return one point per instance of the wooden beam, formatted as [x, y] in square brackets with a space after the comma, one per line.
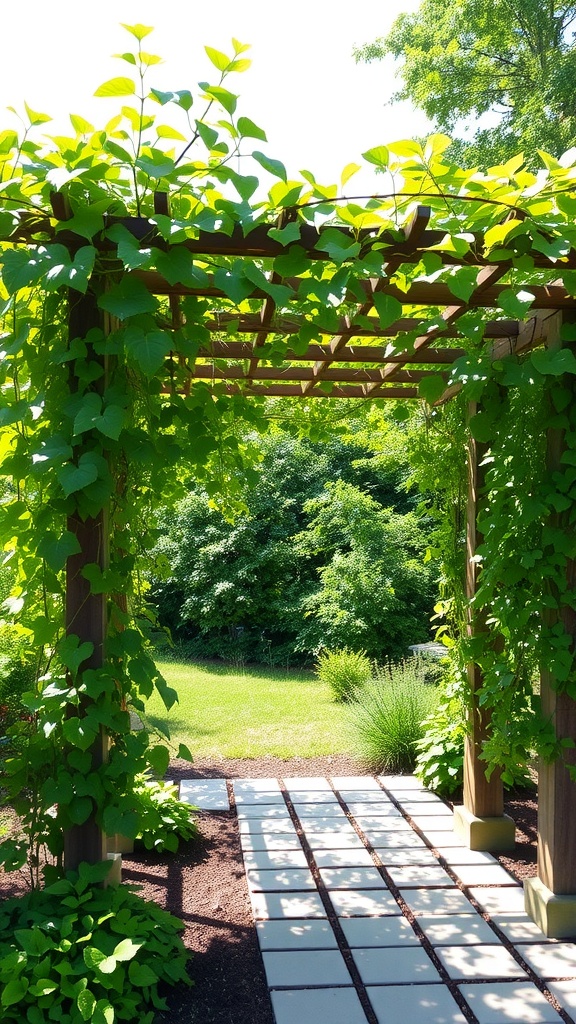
[208, 371]
[352, 354]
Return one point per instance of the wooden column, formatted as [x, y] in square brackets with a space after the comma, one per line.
[86, 613]
[481, 821]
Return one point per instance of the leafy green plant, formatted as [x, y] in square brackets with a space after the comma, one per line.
[440, 761]
[76, 952]
[344, 671]
[388, 714]
[164, 819]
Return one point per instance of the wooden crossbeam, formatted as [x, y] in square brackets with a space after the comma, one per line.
[208, 371]
[250, 323]
[314, 353]
[332, 391]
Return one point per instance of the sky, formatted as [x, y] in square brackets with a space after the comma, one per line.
[320, 109]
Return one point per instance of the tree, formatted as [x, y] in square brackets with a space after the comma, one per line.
[514, 60]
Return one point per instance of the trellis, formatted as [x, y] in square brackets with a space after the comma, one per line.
[356, 359]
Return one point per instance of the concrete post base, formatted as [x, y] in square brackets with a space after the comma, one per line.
[120, 844]
[484, 833]
[114, 876]
[554, 915]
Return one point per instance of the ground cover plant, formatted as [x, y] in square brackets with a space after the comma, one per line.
[250, 712]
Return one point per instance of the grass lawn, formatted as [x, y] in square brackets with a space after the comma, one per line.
[228, 712]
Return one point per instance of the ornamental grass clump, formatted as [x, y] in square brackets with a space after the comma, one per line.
[388, 714]
[345, 672]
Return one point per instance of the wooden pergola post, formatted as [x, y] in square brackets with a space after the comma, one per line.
[551, 896]
[86, 613]
[480, 820]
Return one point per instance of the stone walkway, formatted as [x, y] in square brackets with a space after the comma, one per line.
[366, 917]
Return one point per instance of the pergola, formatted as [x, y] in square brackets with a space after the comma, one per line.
[259, 350]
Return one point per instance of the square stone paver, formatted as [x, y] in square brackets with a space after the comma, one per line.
[419, 797]
[412, 876]
[351, 783]
[352, 878]
[479, 962]
[433, 822]
[364, 932]
[482, 874]
[458, 930]
[359, 858]
[269, 905]
[363, 902]
[206, 794]
[405, 965]
[400, 782]
[413, 1004]
[257, 826]
[367, 796]
[463, 855]
[496, 900]
[550, 960]
[378, 811]
[294, 968]
[520, 927]
[428, 808]
[315, 797]
[259, 799]
[280, 880]
[334, 840]
[397, 839]
[256, 786]
[419, 855]
[393, 822]
[325, 810]
[448, 838]
[295, 934]
[509, 1002]
[321, 824]
[437, 901]
[310, 785]
[261, 860]
[263, 812]
[270, 841]
[565, 992]
[309, 1006]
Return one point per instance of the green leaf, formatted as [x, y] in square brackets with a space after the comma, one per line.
[80, 124]
[379, 155]
[388, 307]
[515, 304]
[234, 285]
[126, 949]
[219, 59]
[93, 957]
[338, 245]
[184, 753]
[72, 653]
[225, 98]
[128, 297]
[248, 129]
[81, 733]
[432, 388]
[14, 991]
[43, 987]
[86, 1003]
[138, 31]
[116, 87]
[141, 974]
[21, 268]
[104, 1013]
[158, 758]
[34, 942]
[91, 417]
[177, 266]
[287, 234]
[274, 167]
[57, 548]
[463, 282]
[553, 363]
[74, 478]
[482, 427]
[147, 349]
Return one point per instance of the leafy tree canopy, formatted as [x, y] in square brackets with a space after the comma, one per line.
[512, 59]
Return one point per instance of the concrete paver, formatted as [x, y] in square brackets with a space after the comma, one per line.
[318, 824]
[307, 785]
[499, 901]
[430, 823]
[404, 857]
[457, 930]
[397, 839]
[256, 786]
[294, 968]
[351, 783]
[483, 874]
[257, 826]
[479, 962]
[311, 933]
[519, 927]
[326, 810]
[270, 905]
[364, 932]
[270, 841]
[206, 794]
[260, 860]
[309, 1006]
[399, 1004]
[356, 858]
[352, 878]
[401, 782]
[315, 797]
[457, 855]
[550, 960]
[428, 808]
[363, 902]
[377, 810]
[334, 840]
[262, 812]
[404, 965]
[281, 880]
[259, 798]
[507, 1002]
[437, 901]
[413, 876]
[565, 993]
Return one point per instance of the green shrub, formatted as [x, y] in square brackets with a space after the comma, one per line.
[164, 819]
[388, 715]
[76, 952]
[344, 671]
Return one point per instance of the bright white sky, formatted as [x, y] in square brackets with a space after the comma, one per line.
[318, 107]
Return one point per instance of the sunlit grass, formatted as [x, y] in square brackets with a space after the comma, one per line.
[229, 712]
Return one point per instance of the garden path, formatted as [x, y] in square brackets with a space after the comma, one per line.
[369, 910]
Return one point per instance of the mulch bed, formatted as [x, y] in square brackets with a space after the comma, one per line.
[204, 884]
